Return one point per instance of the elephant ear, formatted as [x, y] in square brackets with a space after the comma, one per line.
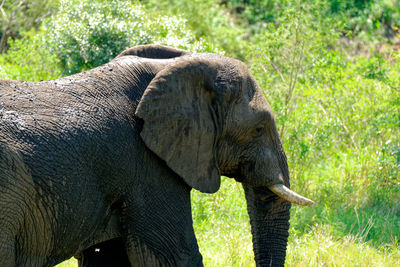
[179, 121]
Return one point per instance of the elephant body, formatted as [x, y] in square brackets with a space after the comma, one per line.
[83, 160]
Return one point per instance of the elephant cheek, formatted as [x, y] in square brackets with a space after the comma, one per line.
[262, 173]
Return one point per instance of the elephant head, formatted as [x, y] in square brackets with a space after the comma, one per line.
[205, 116]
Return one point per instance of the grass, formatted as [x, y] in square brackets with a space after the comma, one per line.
[320, 247]
[69, 263]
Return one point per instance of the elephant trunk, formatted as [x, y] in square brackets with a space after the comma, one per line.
[269, 219]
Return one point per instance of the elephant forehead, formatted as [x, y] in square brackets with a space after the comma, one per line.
[253, 109]
[259, 103]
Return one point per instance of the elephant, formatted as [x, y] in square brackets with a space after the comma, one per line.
[108, 157]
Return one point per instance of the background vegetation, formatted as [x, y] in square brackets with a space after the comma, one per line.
[329, 68]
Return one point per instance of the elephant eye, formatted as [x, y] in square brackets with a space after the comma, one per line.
[259, 130]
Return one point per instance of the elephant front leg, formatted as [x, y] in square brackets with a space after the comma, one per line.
[158, 228]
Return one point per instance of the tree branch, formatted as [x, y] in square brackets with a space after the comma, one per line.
[2, 9]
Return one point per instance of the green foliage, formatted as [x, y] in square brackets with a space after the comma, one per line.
[18, 16]
[375, 19]
[284, 52]
[208, 21]
[371, 18]
[29, 60]
[255, 11]
[89, 33]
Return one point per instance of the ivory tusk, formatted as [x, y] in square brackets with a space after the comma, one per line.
[287, 194]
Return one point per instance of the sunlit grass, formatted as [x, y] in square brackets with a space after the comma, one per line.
[320, 248]
[69, 263]
[222, 226]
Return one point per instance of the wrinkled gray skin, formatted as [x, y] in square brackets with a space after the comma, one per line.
[114, 152]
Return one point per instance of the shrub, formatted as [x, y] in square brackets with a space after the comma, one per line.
[29, 59]
[374, 19]
[18, 16]
[208, 20]
[86, 34]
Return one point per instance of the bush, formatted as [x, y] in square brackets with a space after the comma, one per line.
[209, 21]
[86, 34]
[374, 19]
[29, 59]
[18, 16]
